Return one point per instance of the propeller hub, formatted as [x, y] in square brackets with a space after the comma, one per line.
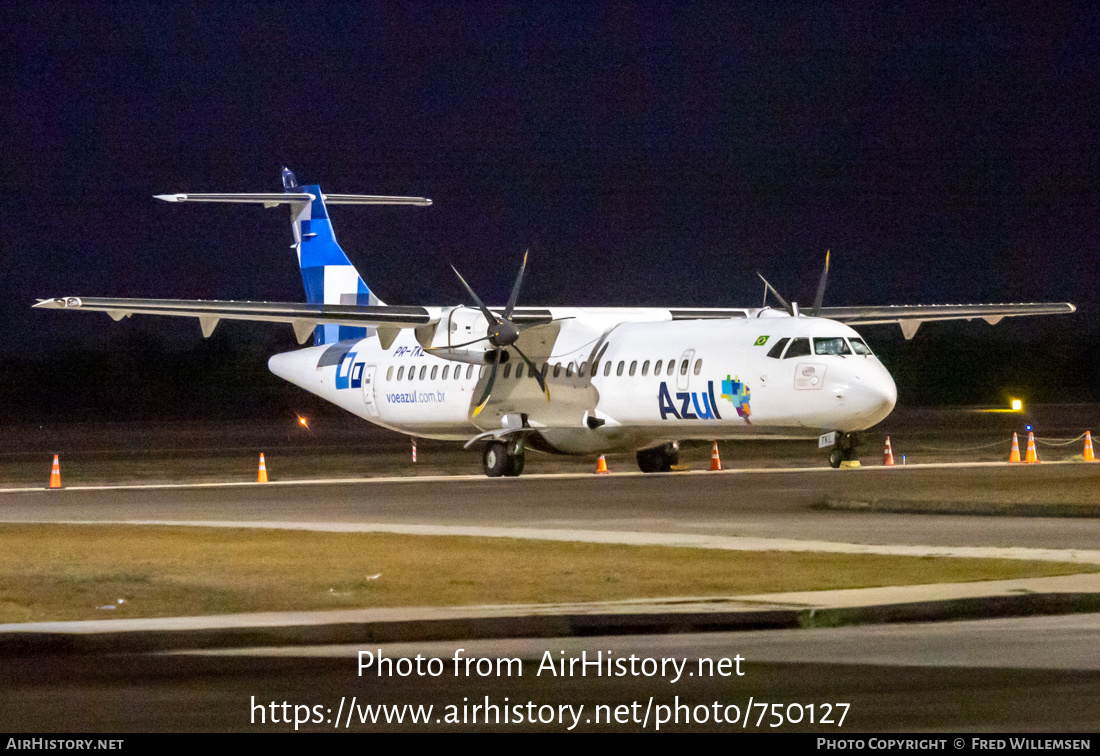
[503, 333]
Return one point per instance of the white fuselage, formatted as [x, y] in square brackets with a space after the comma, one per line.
[655, 380]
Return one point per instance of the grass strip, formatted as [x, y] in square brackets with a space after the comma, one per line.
[66, 572]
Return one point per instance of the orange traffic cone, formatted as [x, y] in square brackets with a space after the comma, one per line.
[888, 455]
[1015, 455]
[1031, 455]
[1089, 456]
[715, 460]
[55, 474]
[261, 477]
[601, 466]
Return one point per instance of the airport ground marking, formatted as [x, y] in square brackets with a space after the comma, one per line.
[531, 476]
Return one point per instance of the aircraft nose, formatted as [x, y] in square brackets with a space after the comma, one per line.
[869, 395]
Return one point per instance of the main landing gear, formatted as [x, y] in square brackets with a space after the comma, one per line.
[502, 459]
[845, 449]
[660, 458]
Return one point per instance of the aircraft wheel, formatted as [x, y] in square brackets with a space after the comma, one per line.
[659, 459]
[836, 456]
[514, 468]
[494, 460]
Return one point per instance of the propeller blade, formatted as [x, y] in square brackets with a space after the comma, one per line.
[484, 310]
[782, 301]
[821, 288]
[529, 326]
[455, 346]
[534, 371]
[515, 289]
[488, 386]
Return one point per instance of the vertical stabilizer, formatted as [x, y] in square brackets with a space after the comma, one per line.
[327, 273]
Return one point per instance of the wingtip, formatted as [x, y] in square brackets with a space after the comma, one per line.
[169, 197]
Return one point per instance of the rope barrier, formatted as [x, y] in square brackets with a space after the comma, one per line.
[962, 449]
[1043, 441]
[1057, 442]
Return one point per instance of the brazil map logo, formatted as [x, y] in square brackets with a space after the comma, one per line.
[739, 394]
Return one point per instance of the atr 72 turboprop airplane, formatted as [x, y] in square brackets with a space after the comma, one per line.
[572, 380]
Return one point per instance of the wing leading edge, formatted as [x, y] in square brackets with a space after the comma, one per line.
[303, 317]
[910, 317]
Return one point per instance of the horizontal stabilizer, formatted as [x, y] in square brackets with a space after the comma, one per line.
[271, 199]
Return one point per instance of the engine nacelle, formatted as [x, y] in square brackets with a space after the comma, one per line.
[457, 325]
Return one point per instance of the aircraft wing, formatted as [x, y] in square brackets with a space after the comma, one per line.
[303, 317]
[909, 317]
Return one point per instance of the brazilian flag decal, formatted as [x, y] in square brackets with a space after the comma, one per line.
[761, 341]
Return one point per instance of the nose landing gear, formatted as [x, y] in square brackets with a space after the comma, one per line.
[845, 450]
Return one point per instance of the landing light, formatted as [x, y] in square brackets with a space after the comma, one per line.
[1017, 405]
[302, 422]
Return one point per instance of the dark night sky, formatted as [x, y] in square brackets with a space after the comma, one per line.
[647, 154]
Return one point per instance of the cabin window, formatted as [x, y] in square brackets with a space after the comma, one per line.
[446, 370]
[777, 350]
[481, 372]
[569, 370]
[645, 368]
[684, 367]
[619, 370]
[469, 372]
[798, 348]
[507, 369]
[633, 367]
[657, 367]
[400, 372]
[389, 374]
[671, 367]
[580, 370]
[423, 370]
[519, 370]
[607, 369]
[435, 369]
[831, 346]
[545, 369]
[698, 366]
[859, 347]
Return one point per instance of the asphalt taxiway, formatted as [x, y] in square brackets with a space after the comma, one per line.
[1013, 673]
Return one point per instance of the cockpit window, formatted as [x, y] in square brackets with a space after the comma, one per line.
[777, 350]
[798, 348]
[831, 346]
[859, 347]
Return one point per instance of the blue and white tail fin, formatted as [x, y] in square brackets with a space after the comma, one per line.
[327, 274]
